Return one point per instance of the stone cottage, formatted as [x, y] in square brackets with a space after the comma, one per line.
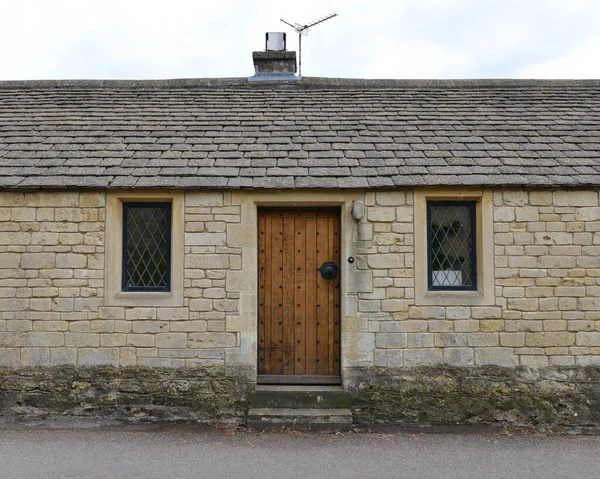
[397, 251]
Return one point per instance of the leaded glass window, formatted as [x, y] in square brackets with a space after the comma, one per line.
[146, 246]
[451, 229]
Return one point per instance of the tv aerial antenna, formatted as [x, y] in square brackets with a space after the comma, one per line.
[303, 30]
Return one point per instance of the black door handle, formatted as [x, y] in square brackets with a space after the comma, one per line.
[329, 271]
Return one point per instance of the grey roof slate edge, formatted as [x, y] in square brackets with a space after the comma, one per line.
[304, 82]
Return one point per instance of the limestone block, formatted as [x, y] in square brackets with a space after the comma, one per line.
[515, 197]
[491, 325]
[588, 214]
[38, 260]
[171, 340]
[205, 261]
[205, 239]
[226, 305]
[390, 198]
[512, 340]
[495, 356]
[43, 339]
[390, 340]
[549, 339]
[92, 200]
[523, 304]
[440, 326]
[427, 312]
[214, 293]
[63, 356]
[140, 313]
[483, 339]
[540, 198]
[413, 325]
[111, 312]
[9, 357]
[588, 339]
[200, 305]
[393, 305]
[11, 260]
[216, 326]
[458, 312]
[381, 214]
[150, 326]
[20, 215]
[552, 238]
[35, 357]
[195, 199]
[98, 357]
[581, 325]
[504, 214]
[589, 304]
[82, 340]
[140, 340]
[419, 340]
[459, 356]
[450, 339]
[466, 325]
[70, 260]
[405, 214]
[113, 340]
[102, 326]
[212, 340]
[527, 213]
[575, 198]
[172, 314]
[588, 360]
[534, 361]
[422, 357]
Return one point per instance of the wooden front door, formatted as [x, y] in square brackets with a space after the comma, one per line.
[298, 306]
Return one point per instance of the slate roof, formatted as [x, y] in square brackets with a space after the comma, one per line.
[313, 133]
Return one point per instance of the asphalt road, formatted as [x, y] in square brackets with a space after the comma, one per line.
[101, 451]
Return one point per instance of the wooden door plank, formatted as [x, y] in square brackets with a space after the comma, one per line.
[330, 297]
[268, 288]
[322, 303]
[277, 295]
[337, 297]
[261, 293]
[310, 323]
[288, 279]
[300, 296]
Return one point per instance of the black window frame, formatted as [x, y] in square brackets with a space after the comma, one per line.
[125, 253]
[473, 217]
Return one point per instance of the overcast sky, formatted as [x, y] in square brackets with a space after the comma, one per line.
[51, 39]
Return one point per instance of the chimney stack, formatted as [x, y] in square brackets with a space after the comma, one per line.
[275, 63]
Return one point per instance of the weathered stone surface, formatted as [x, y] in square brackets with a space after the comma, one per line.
[474, 395]
[204, 394]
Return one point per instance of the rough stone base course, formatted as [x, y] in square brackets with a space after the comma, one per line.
[206, 395]
[563, 396]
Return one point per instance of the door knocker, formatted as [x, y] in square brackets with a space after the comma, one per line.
[329, 271]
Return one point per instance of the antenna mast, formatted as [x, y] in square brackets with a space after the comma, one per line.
[303, 30]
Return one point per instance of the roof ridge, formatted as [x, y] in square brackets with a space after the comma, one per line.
[305, 82]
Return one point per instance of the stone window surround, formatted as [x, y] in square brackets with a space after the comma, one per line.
[484, 295]
[114, 296]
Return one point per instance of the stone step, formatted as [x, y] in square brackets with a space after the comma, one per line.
[306, 397]
[300, 419]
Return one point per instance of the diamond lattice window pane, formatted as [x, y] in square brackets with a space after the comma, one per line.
[451, 245]
[146, 249]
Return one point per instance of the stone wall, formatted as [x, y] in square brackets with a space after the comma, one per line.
[546, 308]
[544, 311]
[52, 279]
